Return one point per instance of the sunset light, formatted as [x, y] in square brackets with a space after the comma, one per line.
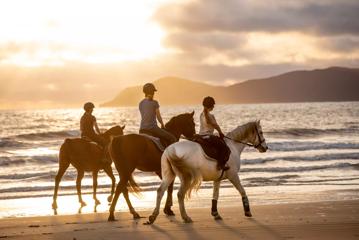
[53, 32]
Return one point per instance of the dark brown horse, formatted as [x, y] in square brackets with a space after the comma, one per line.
[85, 156]
[135, 151]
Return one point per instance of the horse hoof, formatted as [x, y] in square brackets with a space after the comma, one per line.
[218, 217]
[111, 218]
[187, 220]
[168, 212]
[248, 214]
[136, 216]
[151, 220]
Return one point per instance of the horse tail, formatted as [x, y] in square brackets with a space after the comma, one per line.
[189, 175]
[118, 157]
[133, 187]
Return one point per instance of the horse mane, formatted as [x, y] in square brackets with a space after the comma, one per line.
[243, 130]
[108, 132]
[172, 122]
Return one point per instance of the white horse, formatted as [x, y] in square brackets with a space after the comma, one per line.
[187, 160]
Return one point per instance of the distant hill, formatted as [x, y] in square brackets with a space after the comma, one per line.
[330, 84]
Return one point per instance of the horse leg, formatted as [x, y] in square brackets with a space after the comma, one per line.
[167, 210]
[160, 192]
[109, 172]
[129, 204]
[237, 183]
[181, 195]
[119, 188]
[80, 175]
[60, 173]
[214, 211]
[94, 180]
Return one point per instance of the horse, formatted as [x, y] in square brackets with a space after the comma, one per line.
[186, 159]
[85, 156]
[134, 151]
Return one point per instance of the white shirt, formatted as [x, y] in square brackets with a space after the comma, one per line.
[205, 128]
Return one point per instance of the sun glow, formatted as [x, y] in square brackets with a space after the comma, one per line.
[46, 32]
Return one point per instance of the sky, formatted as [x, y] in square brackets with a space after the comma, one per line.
[62, 53]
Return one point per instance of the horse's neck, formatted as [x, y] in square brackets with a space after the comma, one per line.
[174, 131]
[238, 134]
[105, 136]
[236, 150]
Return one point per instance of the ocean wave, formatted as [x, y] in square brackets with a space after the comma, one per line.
[309, 145]
[320, 157]
[49, 135]
[7, 161]
[18, 160]
[301, 169]
[11, 143]
[311, 132]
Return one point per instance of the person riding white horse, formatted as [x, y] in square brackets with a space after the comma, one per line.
[208, 124]
[186, 160]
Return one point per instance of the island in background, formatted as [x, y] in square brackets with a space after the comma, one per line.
[330, 84]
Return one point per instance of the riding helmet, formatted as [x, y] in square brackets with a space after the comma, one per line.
[149, 88]
[88, 106]
[208, 102]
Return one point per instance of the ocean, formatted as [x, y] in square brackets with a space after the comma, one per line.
[313, 155]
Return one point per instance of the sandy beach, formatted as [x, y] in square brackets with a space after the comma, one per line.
[318, 220]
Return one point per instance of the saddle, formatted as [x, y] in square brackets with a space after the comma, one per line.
[105, 159]
[89, 140]
[157, 141]
[214, 148]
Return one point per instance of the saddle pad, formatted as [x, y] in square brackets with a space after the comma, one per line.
[213, 147]
[155, 140]
[208, 151]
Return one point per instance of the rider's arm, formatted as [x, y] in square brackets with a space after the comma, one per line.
[96, 127]
[211, 120]
[159, 117]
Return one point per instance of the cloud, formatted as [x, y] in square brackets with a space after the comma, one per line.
[320, 17]
[252, 33]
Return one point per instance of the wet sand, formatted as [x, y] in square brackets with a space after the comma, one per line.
[319, 220]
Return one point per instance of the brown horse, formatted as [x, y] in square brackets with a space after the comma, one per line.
[135, 151]
[85, 156]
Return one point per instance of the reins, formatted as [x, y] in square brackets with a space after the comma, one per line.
[249, 144]
[234, 140]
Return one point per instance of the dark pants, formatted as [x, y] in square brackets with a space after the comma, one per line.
[162, 134]
[215, 147]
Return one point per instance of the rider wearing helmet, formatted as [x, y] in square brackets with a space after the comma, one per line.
[150, 110]
[208, 124]
[88, 123]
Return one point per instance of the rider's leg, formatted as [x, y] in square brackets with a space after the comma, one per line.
[101, 141]
[162, 134]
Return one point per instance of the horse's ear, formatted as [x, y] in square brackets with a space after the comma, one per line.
[192, 113]
[123, 127]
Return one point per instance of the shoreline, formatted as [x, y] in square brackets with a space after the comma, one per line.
[229, 197]
[317, 220]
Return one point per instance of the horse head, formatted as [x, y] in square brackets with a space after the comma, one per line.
[250, 134]
[259, 141]
[114, 131]
[182, 124]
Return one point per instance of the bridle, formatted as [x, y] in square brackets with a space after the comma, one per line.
[250, 144]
